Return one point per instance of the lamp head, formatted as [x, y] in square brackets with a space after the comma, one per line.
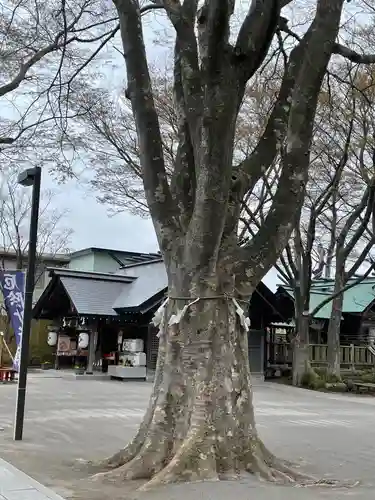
[27, 177]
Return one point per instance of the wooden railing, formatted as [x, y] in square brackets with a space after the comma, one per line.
[349, 355]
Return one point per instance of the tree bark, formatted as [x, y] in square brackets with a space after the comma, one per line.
[301, 348]
[303, 270]
[333, 335]
[200, 423]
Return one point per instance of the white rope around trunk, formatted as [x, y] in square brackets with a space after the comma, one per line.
[159, 317]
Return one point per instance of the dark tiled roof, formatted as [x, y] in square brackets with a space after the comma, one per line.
[133, 288]
[93, 296]
[151, 279]
[124, 256]
[90, 275]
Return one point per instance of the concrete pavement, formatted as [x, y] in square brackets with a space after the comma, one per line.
[326, 435]
[15, 485]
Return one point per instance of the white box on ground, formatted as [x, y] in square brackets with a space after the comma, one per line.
[138, 359]
[125, 372]
[133, 345]
[133, 359]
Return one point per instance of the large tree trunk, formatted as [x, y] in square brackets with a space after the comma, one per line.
[200, 422]
[333, 335]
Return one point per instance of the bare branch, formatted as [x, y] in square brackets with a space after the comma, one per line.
[353, 56]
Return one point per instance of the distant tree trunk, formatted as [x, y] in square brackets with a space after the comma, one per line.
[347, 240]
[301, 343]
[301, 346]
[333, 335]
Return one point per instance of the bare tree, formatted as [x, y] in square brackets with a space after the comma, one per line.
[15, 205]
[200, 421]
[352, 211]
[43, 46]
[297, 267]
[331, 228]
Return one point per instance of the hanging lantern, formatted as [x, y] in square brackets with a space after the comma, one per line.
[52, 338]
[83, 340]
[119, 338]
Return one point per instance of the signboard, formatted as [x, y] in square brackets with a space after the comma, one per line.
[66, 346]
[12, 284]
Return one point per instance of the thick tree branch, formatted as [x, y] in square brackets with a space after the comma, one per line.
[367, 202]
[360, 259]
[250, 170]
[261, 253]
[256, 34]
[186, 51]
[353, 56]
[213, 25]
[150, 7]
[158, 195]
[183, 182]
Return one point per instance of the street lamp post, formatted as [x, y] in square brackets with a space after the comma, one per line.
[30, 177]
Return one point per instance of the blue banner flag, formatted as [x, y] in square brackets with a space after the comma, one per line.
[12, 284]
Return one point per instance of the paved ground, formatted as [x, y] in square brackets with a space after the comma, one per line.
[15, 485]
[328, 435]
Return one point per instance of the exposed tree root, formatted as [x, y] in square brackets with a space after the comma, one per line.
[200, 422]
[124, 455]
[197, 460]
[282, 466]
[261, 462]
[194, 461]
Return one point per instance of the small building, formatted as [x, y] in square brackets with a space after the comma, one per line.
[105, 260]
[358, 313]
[116, 304]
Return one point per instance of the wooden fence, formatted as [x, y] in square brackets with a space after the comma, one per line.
[351, 356]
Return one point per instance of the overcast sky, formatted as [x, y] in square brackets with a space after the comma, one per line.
[93, 227]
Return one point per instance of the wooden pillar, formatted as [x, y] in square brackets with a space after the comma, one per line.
[92, 345]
